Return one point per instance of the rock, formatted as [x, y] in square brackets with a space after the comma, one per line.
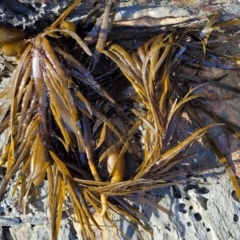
[34, 15]
[211, 214]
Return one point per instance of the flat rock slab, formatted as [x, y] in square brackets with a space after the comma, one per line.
[35, 15]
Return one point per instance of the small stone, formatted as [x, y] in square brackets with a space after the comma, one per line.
[235, 218]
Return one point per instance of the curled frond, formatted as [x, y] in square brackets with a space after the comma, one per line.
[63, 120]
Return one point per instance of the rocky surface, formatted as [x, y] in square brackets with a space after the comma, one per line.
[205, 208]
[202, 209]
[35, 15]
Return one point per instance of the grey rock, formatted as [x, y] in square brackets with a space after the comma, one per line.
[33, 15]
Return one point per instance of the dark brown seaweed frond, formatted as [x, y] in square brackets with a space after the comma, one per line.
[64, 125]
[157, 73]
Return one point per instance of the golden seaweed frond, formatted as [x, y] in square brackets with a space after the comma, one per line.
[52, 106]
[156, 72]
[47, 119]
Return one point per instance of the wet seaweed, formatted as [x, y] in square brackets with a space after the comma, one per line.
[65, 126]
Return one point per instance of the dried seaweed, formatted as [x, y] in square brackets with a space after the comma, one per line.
[49, 114]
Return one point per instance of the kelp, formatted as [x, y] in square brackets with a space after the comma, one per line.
[156, 72]
[154, 92]
[49, 115]
[47, 125]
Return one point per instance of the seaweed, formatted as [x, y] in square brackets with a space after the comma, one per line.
[57, 132]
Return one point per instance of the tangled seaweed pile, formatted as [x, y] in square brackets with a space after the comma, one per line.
[61, 120]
